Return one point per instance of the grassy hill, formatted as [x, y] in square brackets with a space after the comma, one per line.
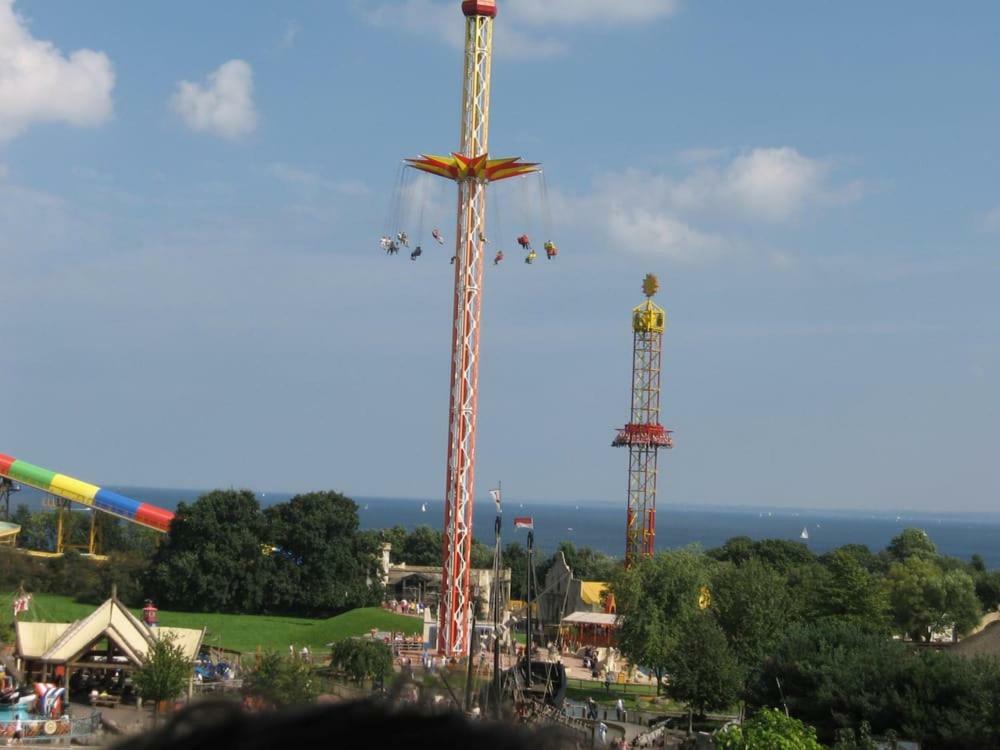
[240, 632]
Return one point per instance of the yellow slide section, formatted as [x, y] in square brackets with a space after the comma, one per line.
[74, 489]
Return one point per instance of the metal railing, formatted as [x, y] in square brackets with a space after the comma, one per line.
[51, 730]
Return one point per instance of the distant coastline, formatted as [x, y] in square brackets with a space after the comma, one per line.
[600, 525]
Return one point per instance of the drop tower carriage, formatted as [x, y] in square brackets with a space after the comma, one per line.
[644, 435]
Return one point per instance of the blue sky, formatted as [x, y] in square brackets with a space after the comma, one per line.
[191, 196]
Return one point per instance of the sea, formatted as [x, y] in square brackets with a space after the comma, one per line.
[601, 525]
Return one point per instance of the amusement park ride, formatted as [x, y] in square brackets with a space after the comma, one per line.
[66, 491]
[644, 435]
[473, 170]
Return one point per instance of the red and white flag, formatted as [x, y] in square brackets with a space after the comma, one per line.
[21, 604]
[524, 522]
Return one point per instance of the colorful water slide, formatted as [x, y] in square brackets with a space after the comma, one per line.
[91, 495]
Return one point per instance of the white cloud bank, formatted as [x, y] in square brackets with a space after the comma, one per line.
[39, 84]
[222, 105]
[574, 12]
[659, 213]
[517, 38]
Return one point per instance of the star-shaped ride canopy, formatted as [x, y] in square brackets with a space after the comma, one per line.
[459, 168]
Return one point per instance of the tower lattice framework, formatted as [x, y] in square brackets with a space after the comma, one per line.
[644, 435]
[473, 170]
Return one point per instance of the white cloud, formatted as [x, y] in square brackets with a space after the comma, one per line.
[39, 84]
[516, 37]
[222, 105]
[771, 183]
[701, 155]
[991, 221]
[291, 31]
[763, 184]
[424, 17]
[697, 216]
[657, 233]
[511, 42]
[293, 175]
[567, 12]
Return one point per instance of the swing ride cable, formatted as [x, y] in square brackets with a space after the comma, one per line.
[422, 186]
[394, 201]
[498, 234]
[546, 206]
[404, 206]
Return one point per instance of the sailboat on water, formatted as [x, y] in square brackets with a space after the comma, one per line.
[805, 534]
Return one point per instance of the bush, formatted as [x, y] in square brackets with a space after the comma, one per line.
[360, 659]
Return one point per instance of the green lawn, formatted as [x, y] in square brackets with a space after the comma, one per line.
[241, 632]
[634, 696]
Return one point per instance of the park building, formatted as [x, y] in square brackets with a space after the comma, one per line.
[103, 647]
[584, 610]
[421, 585]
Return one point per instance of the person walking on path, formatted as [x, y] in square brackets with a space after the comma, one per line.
[18, 731]
[620, 710]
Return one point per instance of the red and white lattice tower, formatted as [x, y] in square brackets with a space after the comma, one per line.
[473, 170]
[644, 435]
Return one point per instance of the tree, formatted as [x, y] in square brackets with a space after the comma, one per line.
[422, 547]
[943, 700]
[987, 588]
[588, 564]
[396, 537]
[848, 590]
[481, 555]
[736, 550]
[165, 673]
[751, 604]
[320, 564]
[515, 557]
[122, 537]
[833, 674]
[38, 529]
[769, 729]
[704, 674]
[783, 554]
[122, 571]
[281, 681]
[837, 675]
[925, 600]
[910, 543]
[213, 558]
[361, 659]
[860, 554]
[849, 739]
[654, 597]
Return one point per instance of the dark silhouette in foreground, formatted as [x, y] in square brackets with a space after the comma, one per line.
[216, 725]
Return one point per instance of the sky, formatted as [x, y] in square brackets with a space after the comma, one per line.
[193, 293]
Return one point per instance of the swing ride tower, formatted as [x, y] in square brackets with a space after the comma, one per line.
[644, 435]
[472, 169]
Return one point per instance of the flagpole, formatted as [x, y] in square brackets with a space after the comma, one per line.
[496, 605]
[527, 629]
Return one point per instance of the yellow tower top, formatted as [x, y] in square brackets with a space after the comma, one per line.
[650, 285]
[649, 317]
